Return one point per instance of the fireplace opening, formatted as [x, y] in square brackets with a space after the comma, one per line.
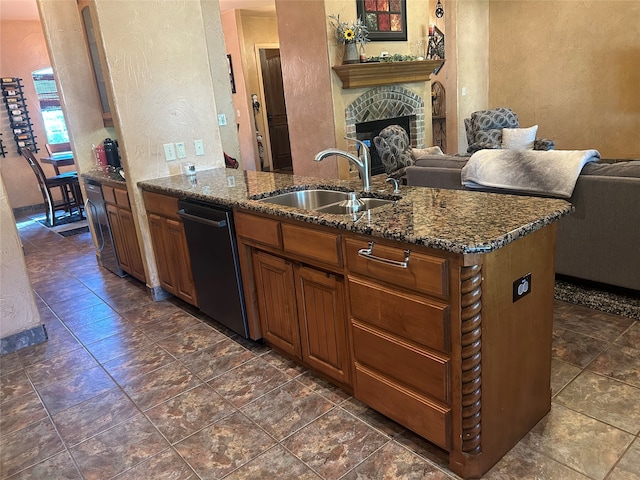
[367, 131]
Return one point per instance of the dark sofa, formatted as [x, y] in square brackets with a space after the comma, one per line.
[600, 240]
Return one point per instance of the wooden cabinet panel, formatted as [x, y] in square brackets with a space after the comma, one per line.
[181, 261]
[257, 228]
[275, 291]
[118, 237]
[322, 246]
[423, 273]
[109, 194]
[418, 413]
[323, 322]
[131, 244]
[419, 369]
[170, 246]
[163, 205]
[122, 198]
[123, 230]
[416, 318]
[161, 249]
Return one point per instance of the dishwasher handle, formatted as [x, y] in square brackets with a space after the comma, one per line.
[194, 218]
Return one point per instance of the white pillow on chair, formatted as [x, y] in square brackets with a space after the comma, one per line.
[519, 138]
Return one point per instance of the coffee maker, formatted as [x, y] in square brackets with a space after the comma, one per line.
[111, 153]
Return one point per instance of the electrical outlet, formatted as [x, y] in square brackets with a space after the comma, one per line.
[169, 152]
[222, 119]
[199, 146]
[521, 287]
[180, 150]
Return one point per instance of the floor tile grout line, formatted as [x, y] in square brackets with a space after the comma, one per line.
[49, 417]
[581, 370]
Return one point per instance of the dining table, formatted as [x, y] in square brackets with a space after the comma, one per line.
[61, 159]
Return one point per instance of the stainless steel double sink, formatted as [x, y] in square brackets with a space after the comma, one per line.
[327, 201]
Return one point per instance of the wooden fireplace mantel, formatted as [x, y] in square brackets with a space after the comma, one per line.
[358, 75]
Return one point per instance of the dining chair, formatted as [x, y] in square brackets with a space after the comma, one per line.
[67, 183]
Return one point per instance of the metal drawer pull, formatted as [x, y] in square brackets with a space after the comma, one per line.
[368, 253]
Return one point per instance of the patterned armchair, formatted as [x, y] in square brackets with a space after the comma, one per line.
[394, 149]
[484, 129]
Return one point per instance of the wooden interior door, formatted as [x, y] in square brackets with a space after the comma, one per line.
[276, 110]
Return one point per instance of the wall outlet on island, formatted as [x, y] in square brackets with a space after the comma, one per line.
[199, 146]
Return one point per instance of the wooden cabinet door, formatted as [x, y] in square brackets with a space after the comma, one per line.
[180, 261]
[275, 292]
[323, 322]
[118, 237]
[131, 244]
[160, 246]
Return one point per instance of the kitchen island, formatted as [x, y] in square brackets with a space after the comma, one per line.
[435, 309]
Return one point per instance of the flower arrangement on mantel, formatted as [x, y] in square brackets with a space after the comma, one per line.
[351, 35]
[356, 32]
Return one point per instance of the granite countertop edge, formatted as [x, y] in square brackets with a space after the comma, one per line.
[456, 221]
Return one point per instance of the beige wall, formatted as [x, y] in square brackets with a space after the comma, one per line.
[222, 86]
[160, 85]
[23, 51]
[243, 29]
[258, 28]
[573, 68]
[472, 62]
[18, 311]
[307, 85]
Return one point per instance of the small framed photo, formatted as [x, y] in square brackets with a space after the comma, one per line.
[386, 20]
[233, 81]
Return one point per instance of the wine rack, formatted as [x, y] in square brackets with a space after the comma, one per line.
[19, 120]
[2, 152]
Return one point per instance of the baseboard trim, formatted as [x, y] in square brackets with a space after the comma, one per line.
[20, 340]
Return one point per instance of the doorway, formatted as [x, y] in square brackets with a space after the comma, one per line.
[276, 111]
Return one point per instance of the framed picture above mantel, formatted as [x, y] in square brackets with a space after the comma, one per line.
[386, 20]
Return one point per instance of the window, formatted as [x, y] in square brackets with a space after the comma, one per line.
[52, 116]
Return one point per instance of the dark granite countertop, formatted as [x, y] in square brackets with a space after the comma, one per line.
[453, 220]
[105, 177]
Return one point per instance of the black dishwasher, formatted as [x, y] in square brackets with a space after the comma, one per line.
[214, 261]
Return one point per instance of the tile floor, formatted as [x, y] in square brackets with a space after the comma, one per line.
[131, 389]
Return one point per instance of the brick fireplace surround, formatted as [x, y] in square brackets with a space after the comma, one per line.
[388, 102]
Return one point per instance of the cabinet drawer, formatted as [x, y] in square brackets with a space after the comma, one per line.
[108, 194]
[421, 370]
[417, 319]
[423, 273]
[260, 229]
[426, 418]
[164, 205]
[122, 198]
[322, 246]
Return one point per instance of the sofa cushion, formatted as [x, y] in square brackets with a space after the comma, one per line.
[442, 161]
[421, 152]
[519, 138]
[629, 168]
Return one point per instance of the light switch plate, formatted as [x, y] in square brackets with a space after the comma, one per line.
[222, 119]
[199, 146]
[180, 150]
[169, 152]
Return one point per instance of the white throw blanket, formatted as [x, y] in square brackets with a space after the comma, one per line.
[546, 172]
